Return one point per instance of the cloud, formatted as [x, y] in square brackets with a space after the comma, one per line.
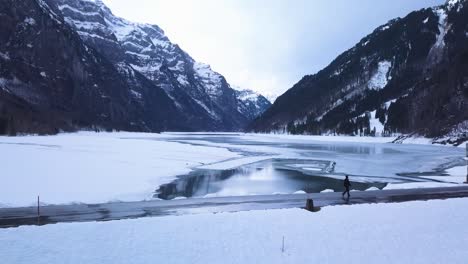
[265, 45]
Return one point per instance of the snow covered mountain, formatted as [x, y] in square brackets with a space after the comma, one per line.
[408, 76]
[50, 80]
[251, 104]
[146, 83]
[198, 91]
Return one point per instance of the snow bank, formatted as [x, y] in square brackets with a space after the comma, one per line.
[413, 232]
[299, 192]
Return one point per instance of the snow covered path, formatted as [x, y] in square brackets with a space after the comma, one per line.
[412, 232]
[114, 211]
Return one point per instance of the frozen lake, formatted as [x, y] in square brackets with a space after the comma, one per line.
[91, 167]
[274, 176]
[290, 164]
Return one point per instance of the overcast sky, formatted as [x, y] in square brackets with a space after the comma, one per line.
[265, 45]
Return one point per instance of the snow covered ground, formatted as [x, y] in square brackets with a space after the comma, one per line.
[100, 167]
[90, 167]
[413, 232]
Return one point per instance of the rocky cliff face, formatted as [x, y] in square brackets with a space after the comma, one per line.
[67, 65]
[201, 94]
[408, 76]
[50, 80]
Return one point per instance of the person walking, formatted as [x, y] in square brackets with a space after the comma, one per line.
[346, 184]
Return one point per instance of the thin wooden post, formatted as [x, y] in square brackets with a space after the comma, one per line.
[38, 211]
[466, 158]
[310, 205]
[282, 247]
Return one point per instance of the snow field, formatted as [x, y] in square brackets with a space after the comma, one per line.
[412, 232]
[94, 167]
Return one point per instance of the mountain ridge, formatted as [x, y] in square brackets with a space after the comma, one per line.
[392, 76]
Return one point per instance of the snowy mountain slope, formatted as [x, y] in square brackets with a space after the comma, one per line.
[251, 104]
[68, 65]
[50, 80]
[412, 71]
[199, 92]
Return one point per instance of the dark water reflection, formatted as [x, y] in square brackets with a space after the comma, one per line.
[267, 177]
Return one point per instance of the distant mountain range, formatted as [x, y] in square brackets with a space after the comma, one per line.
[409, 76]
[71, 64]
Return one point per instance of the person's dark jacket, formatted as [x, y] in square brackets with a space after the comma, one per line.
[347, 183]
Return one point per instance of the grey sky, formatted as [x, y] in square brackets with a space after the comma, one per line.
[266, 45]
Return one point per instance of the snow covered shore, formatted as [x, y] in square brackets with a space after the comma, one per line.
[412, 232]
